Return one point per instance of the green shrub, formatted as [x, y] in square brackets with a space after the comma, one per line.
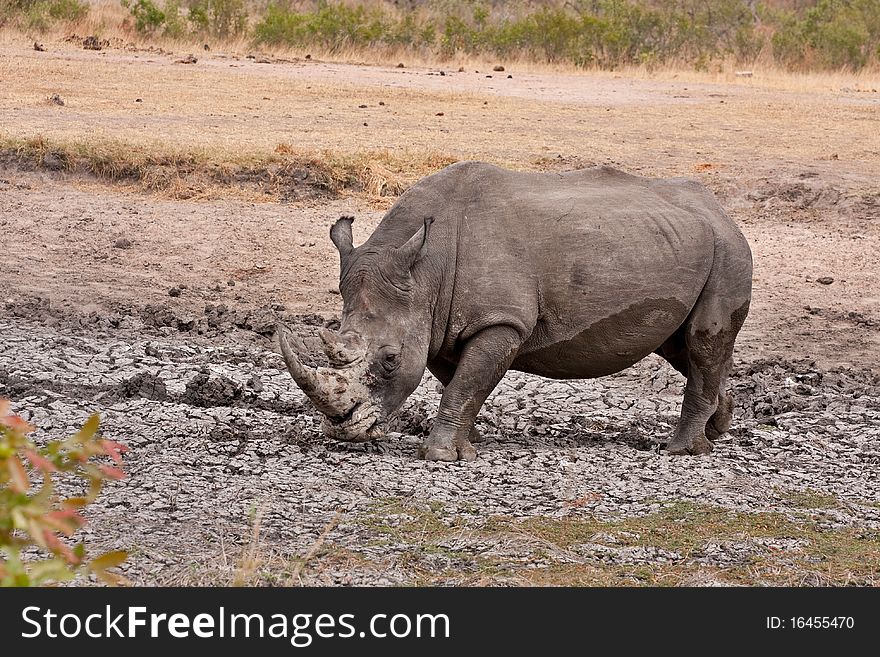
[831, 34]
[147, 15]
[39, 15]
[68, 10]
[219, 18]
[607, 33]
[36, 517]
[174, 24]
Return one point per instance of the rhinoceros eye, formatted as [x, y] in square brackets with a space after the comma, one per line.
[390, 359]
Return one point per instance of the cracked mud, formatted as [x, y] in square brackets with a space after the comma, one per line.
[572, 475]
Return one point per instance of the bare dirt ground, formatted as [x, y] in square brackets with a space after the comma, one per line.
[158, 314]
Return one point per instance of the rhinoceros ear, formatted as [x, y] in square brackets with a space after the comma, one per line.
[340, 234]
[415, 248]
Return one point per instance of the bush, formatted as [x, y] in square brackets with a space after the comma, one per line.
[147, 15]
[608, 32]
[175, 24]
[831, 34]
[329, 26]
[39, 15]
[220, 18]
[37, 518]
[68, 10]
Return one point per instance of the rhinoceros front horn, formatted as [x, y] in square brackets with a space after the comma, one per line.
[312, 381]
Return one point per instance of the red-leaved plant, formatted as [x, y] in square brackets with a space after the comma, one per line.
[34, 515]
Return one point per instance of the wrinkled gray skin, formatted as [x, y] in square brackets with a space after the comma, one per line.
[477, 270]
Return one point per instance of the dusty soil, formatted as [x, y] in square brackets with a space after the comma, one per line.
[158, 314]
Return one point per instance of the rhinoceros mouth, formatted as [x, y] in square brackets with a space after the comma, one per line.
[357, 426]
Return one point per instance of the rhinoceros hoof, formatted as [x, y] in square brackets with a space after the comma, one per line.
[461, 452]
[696, 448]
[466, 451]
[434, 453]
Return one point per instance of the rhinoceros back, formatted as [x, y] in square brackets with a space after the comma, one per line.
[598, 266]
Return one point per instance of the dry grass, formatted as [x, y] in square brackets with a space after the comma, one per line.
[376, 130]
[285, 173]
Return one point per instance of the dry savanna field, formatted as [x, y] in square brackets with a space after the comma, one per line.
[157, 216]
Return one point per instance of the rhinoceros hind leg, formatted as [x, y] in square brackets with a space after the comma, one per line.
[710, 333]
[675, 352]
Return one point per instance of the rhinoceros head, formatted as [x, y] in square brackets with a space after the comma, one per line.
[378, 356]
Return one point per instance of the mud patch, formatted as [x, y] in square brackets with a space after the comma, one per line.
[144, 385]
[217, 445]
[205, 390]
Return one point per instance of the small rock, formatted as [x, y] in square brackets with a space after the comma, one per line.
[55, 99]
[39, 47]
[400, 65]
[382, 102]
[206, 47]
[825, 280]
[461, 69]
[498, 68]
[308, 56]
[189, 59]
[138, 100]
[362, 107]
[174, 292]
[509, 77]
[439, 114]
[122, 243]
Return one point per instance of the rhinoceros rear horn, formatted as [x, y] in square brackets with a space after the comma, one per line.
[340, 235]
[339, 352]
[316, 384]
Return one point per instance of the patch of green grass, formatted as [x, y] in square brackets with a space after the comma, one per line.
[810, 499]
[836, 557]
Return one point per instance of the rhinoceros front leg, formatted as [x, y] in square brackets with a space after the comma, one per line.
[484, 360]
[444, 372]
